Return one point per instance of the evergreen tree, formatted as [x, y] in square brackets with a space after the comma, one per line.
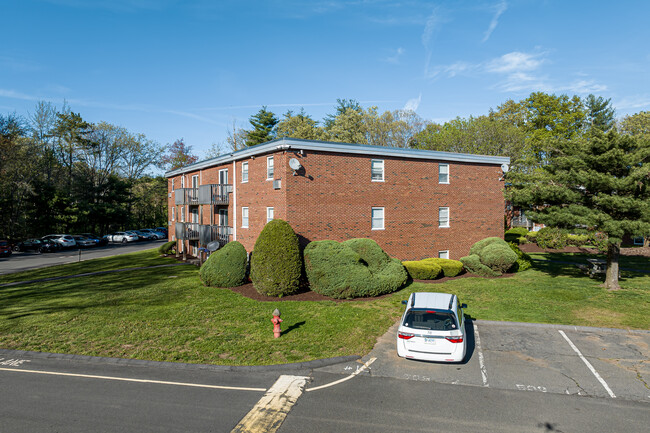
[600, 113]
[263, 124]
[596, 182]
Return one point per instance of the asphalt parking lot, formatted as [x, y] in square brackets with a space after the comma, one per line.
[597, 362]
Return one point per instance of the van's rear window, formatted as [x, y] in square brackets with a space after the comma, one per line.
[430, 320]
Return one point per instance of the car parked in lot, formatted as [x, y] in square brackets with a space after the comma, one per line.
[5, 248]
[156, 234]
[161, 230]
[83, 241]
[99, 240]
[142, 235]
[432, 328]
[66, 241]
[37, 245]
[122, 237]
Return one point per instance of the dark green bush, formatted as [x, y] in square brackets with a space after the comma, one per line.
[483, 243]
[498, 256]
[167, 247]
[422, 269]
[598, 240]
[523, 260]
[531, 237]
[450, 268]
[473, 265]
[577, 240]
[225, 267]
[551, 237]
[516, 234]
[276, 263]
[352, 269]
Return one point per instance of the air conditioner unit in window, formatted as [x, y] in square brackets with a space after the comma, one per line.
[277, 184]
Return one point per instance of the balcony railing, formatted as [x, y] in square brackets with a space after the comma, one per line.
[187, 231]
[214, 233]
[185, 196]
[521, 221]
[215, 194]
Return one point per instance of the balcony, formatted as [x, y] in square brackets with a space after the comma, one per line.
[185, 196]
[187, 231]
[215, 194]
[209, 233]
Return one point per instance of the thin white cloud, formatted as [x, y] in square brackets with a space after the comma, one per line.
[430, 27]
[633, 103]
[395, 58]
[413, 104]
[515, 62]
[12, 94]
[499, 9]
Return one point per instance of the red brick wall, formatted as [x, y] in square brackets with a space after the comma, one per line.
[333, 196]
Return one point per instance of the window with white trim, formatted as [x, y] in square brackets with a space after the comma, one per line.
[244, 172]
[195, 181]
[377, 170]
[443, 173]
[173, 185]
[269, 214]
[183, 181]
[443, 217]
[443, 254]
[183, 214]
[269, 168]
[377, 218]
[173, 214]
[244, 217]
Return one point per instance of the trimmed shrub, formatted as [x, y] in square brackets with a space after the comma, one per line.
[167, 247]
[531, 237]
[577, 240]
[450, 268]
[474, 266]
[225, 267]
[478, 247]
[523, 260]
[422, 269]
[276, 263]
[498, 256]
[352, 269]
[516, 234]
[551, 237]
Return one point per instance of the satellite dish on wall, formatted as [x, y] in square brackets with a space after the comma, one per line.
[505, 167]
[213, 246]
[295, 164]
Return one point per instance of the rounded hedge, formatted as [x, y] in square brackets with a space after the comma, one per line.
[225, 267]
[551, 237]
[422, 269]
[523, 260]
[498, 256]
[167, 247]
[474, 266]
[516, 235]
[352, 269]
[450, 268]
[276, 263]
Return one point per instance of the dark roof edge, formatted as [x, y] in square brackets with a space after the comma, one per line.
[328, 146]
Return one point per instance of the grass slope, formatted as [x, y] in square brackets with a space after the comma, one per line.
[166, 314]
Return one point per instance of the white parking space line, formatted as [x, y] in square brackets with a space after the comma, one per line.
[481, 361]
[269, 413]
[336, 382]
[126, 379]
[593, 370]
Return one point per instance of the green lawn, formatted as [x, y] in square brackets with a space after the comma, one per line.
[166, 314]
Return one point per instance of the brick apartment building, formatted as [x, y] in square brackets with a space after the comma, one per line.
[413, 203]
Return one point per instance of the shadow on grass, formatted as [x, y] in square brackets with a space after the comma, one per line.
[292, 327]
[88, 292]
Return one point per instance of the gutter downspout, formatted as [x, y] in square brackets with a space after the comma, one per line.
[234, 200]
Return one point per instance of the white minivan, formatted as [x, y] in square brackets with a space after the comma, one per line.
[432, 328]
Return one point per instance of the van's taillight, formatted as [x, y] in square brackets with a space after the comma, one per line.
[404, 335]
[458, 339]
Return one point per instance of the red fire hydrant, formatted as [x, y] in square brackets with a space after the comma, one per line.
[276, 323]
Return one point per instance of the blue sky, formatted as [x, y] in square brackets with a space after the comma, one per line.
[189, 69]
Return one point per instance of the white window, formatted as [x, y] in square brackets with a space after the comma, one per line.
[269, 214]
[443, 217]
[183, 214]
[223, 177]
[244, 172]
[173, 185]
[377, 218]
[269, 167]
[194, 214]
[182, 181]
[244, 217]
[195, 181]
[443, 173]
[377, 170]
[223, 218]
[443, 254]
[173, 214]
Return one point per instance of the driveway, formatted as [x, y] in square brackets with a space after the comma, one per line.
[583, 361]
[29, 260]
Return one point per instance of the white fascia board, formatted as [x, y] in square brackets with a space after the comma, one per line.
[345, 148]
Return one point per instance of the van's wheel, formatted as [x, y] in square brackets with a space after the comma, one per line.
[16, 248]
[39, 251]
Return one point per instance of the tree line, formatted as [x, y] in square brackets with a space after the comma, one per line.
[62, 174]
